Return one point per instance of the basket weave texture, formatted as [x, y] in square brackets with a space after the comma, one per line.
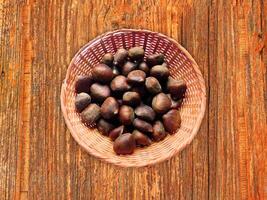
[181, 65]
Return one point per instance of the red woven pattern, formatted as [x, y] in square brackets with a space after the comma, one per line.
[181, 65]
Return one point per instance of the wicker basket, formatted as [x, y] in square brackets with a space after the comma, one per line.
[181, 65]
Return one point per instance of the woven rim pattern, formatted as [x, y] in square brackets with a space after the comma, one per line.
[181, 65]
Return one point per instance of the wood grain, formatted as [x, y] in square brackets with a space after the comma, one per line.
[40, 160]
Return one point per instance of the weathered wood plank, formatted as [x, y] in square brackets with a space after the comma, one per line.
[10, 76]
[212, 99]
[236, 72]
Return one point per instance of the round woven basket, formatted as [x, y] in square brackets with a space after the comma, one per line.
[181, 65]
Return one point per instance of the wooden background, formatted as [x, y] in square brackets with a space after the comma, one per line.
[40, 160]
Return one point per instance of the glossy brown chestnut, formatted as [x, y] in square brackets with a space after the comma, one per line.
[99, 92]
[164, 64]
[109, 108]
[144, 67]
[155, 59]
[124, 144]
[128, 67]
[142, 126]
[141, 139]
[177, 88]
[104, 126]
[136, 77]
[83, 83]
[159, 132]
[119, 84]
[108, 59]
[152, 85]
[145, 112]
[136, 53]
[161, 103]
[126, 115]
[90, 114]
[102, 73]
[131, 98]
[116, 132]
[120, 57]
[176, 104]
[172, 121]
[160, 72]
[82, 100]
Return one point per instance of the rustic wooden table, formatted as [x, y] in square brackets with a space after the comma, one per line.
[40, 160]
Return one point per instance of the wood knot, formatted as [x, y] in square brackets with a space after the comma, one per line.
[260, 35]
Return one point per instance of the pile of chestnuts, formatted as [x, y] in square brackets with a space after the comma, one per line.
[132, 100]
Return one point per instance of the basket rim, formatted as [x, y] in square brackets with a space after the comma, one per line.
[158, 160]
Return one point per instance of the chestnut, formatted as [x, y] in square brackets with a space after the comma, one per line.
[126, 115]
[99, 92]
[136, 53]
[119, 84]
[155, 59]
[160, 72]
[172, 120]
[116, 132]
[159, 132]
[102, 73]
[136, 77]
[109, 108]
[104, 126]
[141, 139]
[142, 125]
[175, 103]
[83, 83]
[164, 64]
[108, 59]
[161, 103]
[144, 67]
[131, 98]
[90, 114]
[177, 88]
[82, 100]
[153, 85]
[145, 112]
[128, 67]
[120, 57]
[124, 144]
